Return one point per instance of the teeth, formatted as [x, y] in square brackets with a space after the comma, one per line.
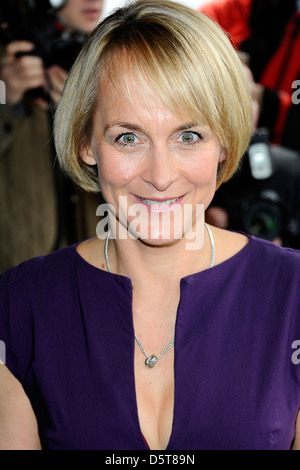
[160, 203]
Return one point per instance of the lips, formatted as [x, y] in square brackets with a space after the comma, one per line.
[151, 202]
[160, 205]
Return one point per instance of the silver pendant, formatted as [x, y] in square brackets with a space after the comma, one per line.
[151, 361]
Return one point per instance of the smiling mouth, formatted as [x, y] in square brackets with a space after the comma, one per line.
[160, 205]
[151, 202]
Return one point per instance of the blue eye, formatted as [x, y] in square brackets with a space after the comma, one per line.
[126, 139]
[189, 137]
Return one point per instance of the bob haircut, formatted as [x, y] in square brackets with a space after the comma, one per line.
[178, 56]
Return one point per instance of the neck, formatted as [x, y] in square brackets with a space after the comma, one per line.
[138, 260]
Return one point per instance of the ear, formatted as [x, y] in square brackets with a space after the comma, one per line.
[222, 156]
[88, 156]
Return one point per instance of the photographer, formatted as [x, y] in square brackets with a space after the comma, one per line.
[263, 198]
[269, 32]
[32, 189]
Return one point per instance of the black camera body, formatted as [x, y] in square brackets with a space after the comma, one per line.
[37, 21]
[263, 198]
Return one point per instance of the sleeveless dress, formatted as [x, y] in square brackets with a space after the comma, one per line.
[69, 339]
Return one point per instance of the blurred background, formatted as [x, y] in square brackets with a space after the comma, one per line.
[111, 4]
[41, 210]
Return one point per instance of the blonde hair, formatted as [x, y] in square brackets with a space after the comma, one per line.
[180, 55]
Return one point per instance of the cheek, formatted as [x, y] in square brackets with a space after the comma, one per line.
[203, 171]
[115, 169]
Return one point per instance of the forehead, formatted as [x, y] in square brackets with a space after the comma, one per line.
[151, 78]
[128, 89]
[132, 94]
[138, 107]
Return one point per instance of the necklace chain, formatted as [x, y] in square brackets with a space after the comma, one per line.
[152, 360]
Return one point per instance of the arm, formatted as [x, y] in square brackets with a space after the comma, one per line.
[18, 425]
[296, 444]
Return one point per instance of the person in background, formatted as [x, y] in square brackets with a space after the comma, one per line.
[40, 209]
[268, 31]
[163, 332]
[266, 34]
[262, 199]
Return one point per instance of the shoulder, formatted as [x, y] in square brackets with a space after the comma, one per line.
[36, 289]
[256, 253]
[275, 255]
[43, 270]
[278, 267]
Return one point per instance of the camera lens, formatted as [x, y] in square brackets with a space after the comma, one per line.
[264, 220]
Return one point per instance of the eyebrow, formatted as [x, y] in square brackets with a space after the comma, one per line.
[127, 125]
[137, 128]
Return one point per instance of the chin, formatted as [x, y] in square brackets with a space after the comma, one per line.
[158, 237]
[159, 243]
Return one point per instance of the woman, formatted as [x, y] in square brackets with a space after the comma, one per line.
[134, 339]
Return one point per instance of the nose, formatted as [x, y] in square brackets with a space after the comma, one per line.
[160, 169]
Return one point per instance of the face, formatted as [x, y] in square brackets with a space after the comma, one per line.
[155, 168]
[82, 15]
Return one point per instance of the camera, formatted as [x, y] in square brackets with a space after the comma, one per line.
[263, 198]
[37, 21]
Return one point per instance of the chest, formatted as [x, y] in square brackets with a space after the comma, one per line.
[219, 397]
[228, 383]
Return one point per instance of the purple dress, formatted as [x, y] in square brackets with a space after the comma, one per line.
[69, 339]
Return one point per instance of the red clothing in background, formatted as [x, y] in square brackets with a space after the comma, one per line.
[269, 31]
